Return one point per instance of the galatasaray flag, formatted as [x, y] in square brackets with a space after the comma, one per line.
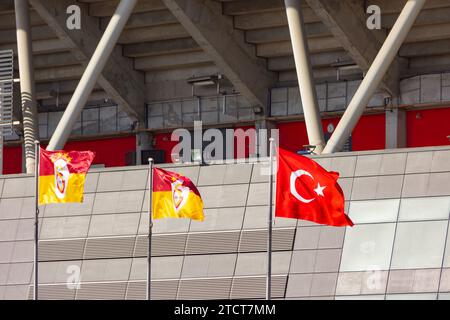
[307, 191]
[62, 174]
[175, 196]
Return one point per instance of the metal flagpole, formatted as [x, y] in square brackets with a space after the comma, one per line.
[270, 222]
[150, 229]
[36, 219]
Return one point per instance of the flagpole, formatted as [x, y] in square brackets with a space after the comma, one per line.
[150, 230]
[270, 222]
[36, 220]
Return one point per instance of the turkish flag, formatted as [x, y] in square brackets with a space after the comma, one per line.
[307, 191]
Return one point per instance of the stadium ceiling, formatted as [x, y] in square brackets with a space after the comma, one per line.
[247, 40]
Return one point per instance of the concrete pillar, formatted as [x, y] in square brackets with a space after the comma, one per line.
[143, 142]
[375, 75]
[304, 74]
[27, 86]
[265, 129]
[91, 74]
[395, 128]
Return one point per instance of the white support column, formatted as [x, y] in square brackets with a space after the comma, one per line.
[304, 74]
[91, 74]
[27, 85]
[375, 75]
[395, 128]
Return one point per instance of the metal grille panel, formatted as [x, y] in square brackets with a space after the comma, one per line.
[55, 250]
[256, 240]
[6, 91]
[255, 287]
[196, 289]
[161, 290]
[162, 245]
[101, 291]
[52, 292]
[214, 242]
[101, 248]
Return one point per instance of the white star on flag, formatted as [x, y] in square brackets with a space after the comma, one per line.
[319, 190]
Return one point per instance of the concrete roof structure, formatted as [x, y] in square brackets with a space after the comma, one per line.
[159, 43]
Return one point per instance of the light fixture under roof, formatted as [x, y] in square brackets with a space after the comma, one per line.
[205, 80]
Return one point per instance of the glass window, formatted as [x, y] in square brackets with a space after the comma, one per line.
[108, 119]
[373, 211]
[368, 247]
[53, 120]
[434, 208]
[91, 114]
[419, 245]
[90, 127]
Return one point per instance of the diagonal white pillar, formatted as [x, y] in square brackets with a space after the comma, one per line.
[91, 74]
[375, 75]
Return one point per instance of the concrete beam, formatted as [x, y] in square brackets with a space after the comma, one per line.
[395, 6]
[177, 60]
[270, 19]
[137, 35]
[156, 48]
[215, 34]
[430, 16]
[322, 75]
[64, 99]
[41, 46]
[60, 73]
[276, 34]
[430, 64]
[107, 8]
[318, 60]
[61, 87]
[58, 59]
[37, 33]
[180, 74]
[428, 33]
[8, 21]
[284, 48]
[145, 19]
[425, 48]
[347, 23]
[119, 79]
[7, 5]
[242, 7]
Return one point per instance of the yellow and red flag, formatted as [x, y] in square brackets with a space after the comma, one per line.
[175, 196]
[62, 175]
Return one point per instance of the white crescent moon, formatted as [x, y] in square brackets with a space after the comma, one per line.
[294, 176]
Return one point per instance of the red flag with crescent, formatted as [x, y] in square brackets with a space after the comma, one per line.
[307, 191]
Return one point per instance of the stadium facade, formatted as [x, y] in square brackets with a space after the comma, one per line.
[398, 249]
[230, 64]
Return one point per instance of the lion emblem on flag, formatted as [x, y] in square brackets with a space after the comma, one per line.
[62, 175]
[180, 194]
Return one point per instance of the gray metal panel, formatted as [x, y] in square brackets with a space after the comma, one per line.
[118, 247]
[255, 287]
[101, 291]
[256, 240]
[54, 250]
[162, 245]
[212, 242]
[53, 292]
[212, 288]
[161, 290]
